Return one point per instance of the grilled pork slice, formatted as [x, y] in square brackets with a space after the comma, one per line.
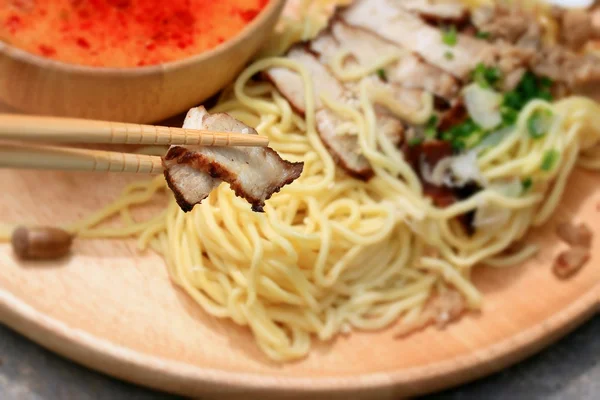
[579, 26]
[365, 47]
[437, 11]
[519, 43]
[394, 23]
[291, 86]
[343, 147]
[254, 173]
[576, 27]
[189, 185]
[509, 24]
[580, 73]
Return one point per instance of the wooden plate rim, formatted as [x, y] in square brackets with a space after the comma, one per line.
[151, 371]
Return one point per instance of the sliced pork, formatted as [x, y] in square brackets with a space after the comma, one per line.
[510, 24]
[519, 44]
[291, 86]
[388, 19]
[439, 11]
[366, 47]
[345, 149]
[189, 185]
[579, 26]
[343, 146]
[254, 173]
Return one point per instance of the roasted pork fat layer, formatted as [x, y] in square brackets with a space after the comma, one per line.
[253, 173]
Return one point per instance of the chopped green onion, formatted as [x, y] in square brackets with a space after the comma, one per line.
[432, 121]
[509, 116]
[447, 136]
[469, 134]
[464, 135]
[465, 129]
[513, 100]
[430, 133]
[527, 183]
[414, 141]
[529, 85]
[529, 88]
[538, 123]
[546, 82]
[431, 127]
[549, 160]
[458, 145]
[482, 35]
[449, 55]
[381, 74]
[473, 140]
[486, 77]
[449, 36]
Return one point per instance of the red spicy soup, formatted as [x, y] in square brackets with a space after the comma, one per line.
[122, 33]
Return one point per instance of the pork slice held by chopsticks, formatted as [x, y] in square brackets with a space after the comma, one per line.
[189, 185]
[253, 173]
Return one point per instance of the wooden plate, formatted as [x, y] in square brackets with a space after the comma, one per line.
[116, 311]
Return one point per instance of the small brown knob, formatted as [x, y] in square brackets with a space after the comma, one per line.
[41, 243]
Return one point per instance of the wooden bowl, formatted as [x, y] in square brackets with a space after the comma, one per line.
[38, 85]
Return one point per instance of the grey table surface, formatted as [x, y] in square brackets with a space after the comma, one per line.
[570, 369]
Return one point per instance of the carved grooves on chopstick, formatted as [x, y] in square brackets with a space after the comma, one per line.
[148, 134]
[125, 162]
[68, 130]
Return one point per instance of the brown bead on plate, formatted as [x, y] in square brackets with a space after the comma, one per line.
[41, 243]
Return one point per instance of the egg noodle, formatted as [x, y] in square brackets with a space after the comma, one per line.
[331, 253]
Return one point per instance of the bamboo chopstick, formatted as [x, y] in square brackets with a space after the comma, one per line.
[71, 130]
[72, 159]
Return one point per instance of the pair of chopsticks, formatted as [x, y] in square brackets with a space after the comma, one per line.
[23, 128]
